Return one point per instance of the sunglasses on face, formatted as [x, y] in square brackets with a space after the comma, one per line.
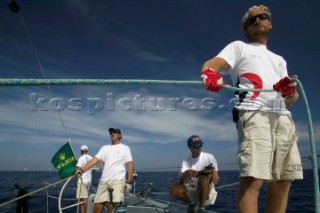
[113, 132]
[261, 16]
[199, 147]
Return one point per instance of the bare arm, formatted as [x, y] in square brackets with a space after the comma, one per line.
[218, 64]
[215, 177]
[130, 170]
[90, 164]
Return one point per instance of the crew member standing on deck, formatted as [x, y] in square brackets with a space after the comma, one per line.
[83, 185]
[116, 156]
[267, 137]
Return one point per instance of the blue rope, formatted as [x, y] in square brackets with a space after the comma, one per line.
[37, 82]
[313, 150]
[46, 82]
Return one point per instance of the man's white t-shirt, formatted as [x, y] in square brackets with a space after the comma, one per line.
[87, 175]
[253, 66]
[114, 158]
[198, 164]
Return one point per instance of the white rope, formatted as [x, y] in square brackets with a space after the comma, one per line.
[224, 186]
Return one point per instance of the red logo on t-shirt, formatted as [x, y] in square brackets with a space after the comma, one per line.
[256, 81]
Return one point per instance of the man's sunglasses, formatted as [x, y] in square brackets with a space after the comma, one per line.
[261, 16]
[113, 132]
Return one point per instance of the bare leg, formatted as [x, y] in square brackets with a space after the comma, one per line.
[98, 207]
[179, 191]
[248, 192]
[277, 196]
[204, 188]
[111, 206]
[84, 205]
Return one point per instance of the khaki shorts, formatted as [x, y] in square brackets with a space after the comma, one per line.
[268, 146]
[84, 189]
[193, 195]
[103, 195]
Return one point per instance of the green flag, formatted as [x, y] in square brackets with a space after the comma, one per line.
[65, 161]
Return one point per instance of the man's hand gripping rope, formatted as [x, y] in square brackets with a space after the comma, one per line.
[286, 86]
[79, 173]
[212, 80]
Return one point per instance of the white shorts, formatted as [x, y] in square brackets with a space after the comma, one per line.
[83, 190]
[103, 194]
[193, 195]
[268, 146]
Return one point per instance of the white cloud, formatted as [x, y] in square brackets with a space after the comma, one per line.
[20, 123]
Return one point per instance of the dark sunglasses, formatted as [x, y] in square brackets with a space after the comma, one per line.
[113, 132]
[261, 16]
[199, 147]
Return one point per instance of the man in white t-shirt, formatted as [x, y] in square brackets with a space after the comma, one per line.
[112, 186]
[83, 185]
[199, 173]
[267, 149]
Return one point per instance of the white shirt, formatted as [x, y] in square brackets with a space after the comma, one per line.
[198, 164]
[252, 65]
[87, 175]
[114, 158]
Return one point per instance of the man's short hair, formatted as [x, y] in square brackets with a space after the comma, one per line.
[247, 15]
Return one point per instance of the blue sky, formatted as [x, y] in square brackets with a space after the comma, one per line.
[143, 39]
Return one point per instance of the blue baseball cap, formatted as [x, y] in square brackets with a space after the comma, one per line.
[195, 141]
[117, 130]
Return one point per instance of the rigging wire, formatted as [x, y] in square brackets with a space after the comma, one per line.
[16, 8]
[169, 168]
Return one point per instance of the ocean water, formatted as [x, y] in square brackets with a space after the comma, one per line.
[301, 197]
